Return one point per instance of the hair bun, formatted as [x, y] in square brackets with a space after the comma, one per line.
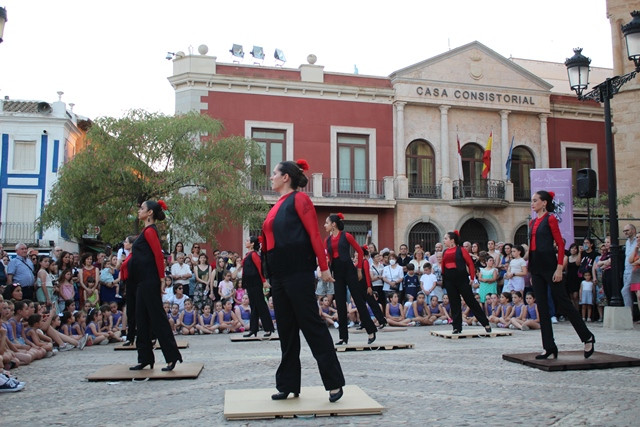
[339, 214]
[302, 164]
[162, 204]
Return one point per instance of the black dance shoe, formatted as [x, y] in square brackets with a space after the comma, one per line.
[342, 342]
[171, 365]
[282, 395]
[456, 331]
[592, 341]
[267, 335]
[334, 397]
[127, 343]
[141, 366]
[369, 341]
[547, 353]
[487, 329]
[255, 334]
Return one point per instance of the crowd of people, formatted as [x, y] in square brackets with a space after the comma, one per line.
[63, 301]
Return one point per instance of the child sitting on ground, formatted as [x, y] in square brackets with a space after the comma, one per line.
[395, 313]
[206, 321]
[94, 322]
[502, 315]
[188, 319]
[530, 319]
[418, 311]
[243, 311]
[174, 319]
[328, 313]
[35, 337]
[229, 322]
[518, 305]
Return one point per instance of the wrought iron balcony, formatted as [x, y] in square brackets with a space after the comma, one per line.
[521, 194]
[486, 192]
[425, 191]
[18, 232]
[353, 188]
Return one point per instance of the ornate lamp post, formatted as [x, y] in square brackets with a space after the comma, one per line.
[578, 70]
[3, 19]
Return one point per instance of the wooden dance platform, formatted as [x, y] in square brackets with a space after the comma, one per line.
[573, 360]
[376, 345]
[240, 338]
[119, 346]
[385, 329]
[122, 372]
[252, 404]
[471, 333]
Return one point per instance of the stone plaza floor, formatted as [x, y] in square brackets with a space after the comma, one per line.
[439, 382]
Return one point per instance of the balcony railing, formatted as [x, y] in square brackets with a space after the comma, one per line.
[425, 191]
[265, 188]
[521, 194]
[480, 189]
[356, 188]
[18, 232]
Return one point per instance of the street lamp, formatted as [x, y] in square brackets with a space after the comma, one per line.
[578, 70]
[3, 19]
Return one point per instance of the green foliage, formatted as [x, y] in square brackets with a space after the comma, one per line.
[146, 156]
[599, 210]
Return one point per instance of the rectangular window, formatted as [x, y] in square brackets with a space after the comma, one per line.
[20, 218]
[271, 142]
[577, 159]
[24, 156]
[353, 168]
[359, 230]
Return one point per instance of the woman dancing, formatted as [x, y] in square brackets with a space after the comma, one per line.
[346, 276]
[545, 264]
[292, 243]
[253, 280]
[146, 270]
[458, 273]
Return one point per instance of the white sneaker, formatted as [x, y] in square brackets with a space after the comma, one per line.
[351, 325]
[83, 341]
[11, 386]
[66, 347]
[554, 319]
[335, 325]
[525, 328]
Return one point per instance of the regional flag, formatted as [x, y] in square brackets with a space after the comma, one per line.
[509, 158]
[486, 158]
[460, 172]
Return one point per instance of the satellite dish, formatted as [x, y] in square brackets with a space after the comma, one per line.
[44, 108]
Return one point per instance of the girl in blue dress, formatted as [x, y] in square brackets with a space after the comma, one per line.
[395, 312]
[206, 321]
[188, 319]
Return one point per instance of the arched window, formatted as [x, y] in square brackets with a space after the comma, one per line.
[521, 164]
[474, 231]
[421, 169]
[521, 236]
[472, 162]
[426, 234]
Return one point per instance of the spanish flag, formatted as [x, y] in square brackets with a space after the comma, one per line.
[486, 158]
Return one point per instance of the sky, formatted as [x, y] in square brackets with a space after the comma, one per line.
[109, 56]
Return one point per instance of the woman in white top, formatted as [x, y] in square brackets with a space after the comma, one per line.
[418, 261]
[517, 270]
[392, 276]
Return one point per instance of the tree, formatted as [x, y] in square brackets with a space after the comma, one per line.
[599, 211]
[204, 179]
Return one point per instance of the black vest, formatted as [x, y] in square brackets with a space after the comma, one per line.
[142, 265]
[250, 274]
[344, 254]
[292, 251]
[544, 258]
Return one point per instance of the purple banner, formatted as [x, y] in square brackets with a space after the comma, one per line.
[560, 182]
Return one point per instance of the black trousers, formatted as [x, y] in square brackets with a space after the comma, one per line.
[152, 319]
[345, 275]
[542, 280]
[131, 310]
[457, 284]
[259, 310]
[296, 309]
[375, 305]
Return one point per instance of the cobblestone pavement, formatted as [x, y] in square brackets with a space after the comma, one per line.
[449, 382]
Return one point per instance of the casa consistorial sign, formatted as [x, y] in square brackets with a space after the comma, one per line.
[474, 95]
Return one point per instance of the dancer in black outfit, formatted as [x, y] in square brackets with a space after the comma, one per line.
[346, 276]
[253, 280]
[545, 265]
[292, 243]
[146, 270]
[458, 273]
[365, 284]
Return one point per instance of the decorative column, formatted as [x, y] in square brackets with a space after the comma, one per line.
[400, 160]
[444, 141]
[505, 145]
[544, 141]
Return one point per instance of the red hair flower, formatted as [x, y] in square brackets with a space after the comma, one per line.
[456, 232]
[162, 204]
[260, 239]
[302, 164]
[339, 214]
[552, 194]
